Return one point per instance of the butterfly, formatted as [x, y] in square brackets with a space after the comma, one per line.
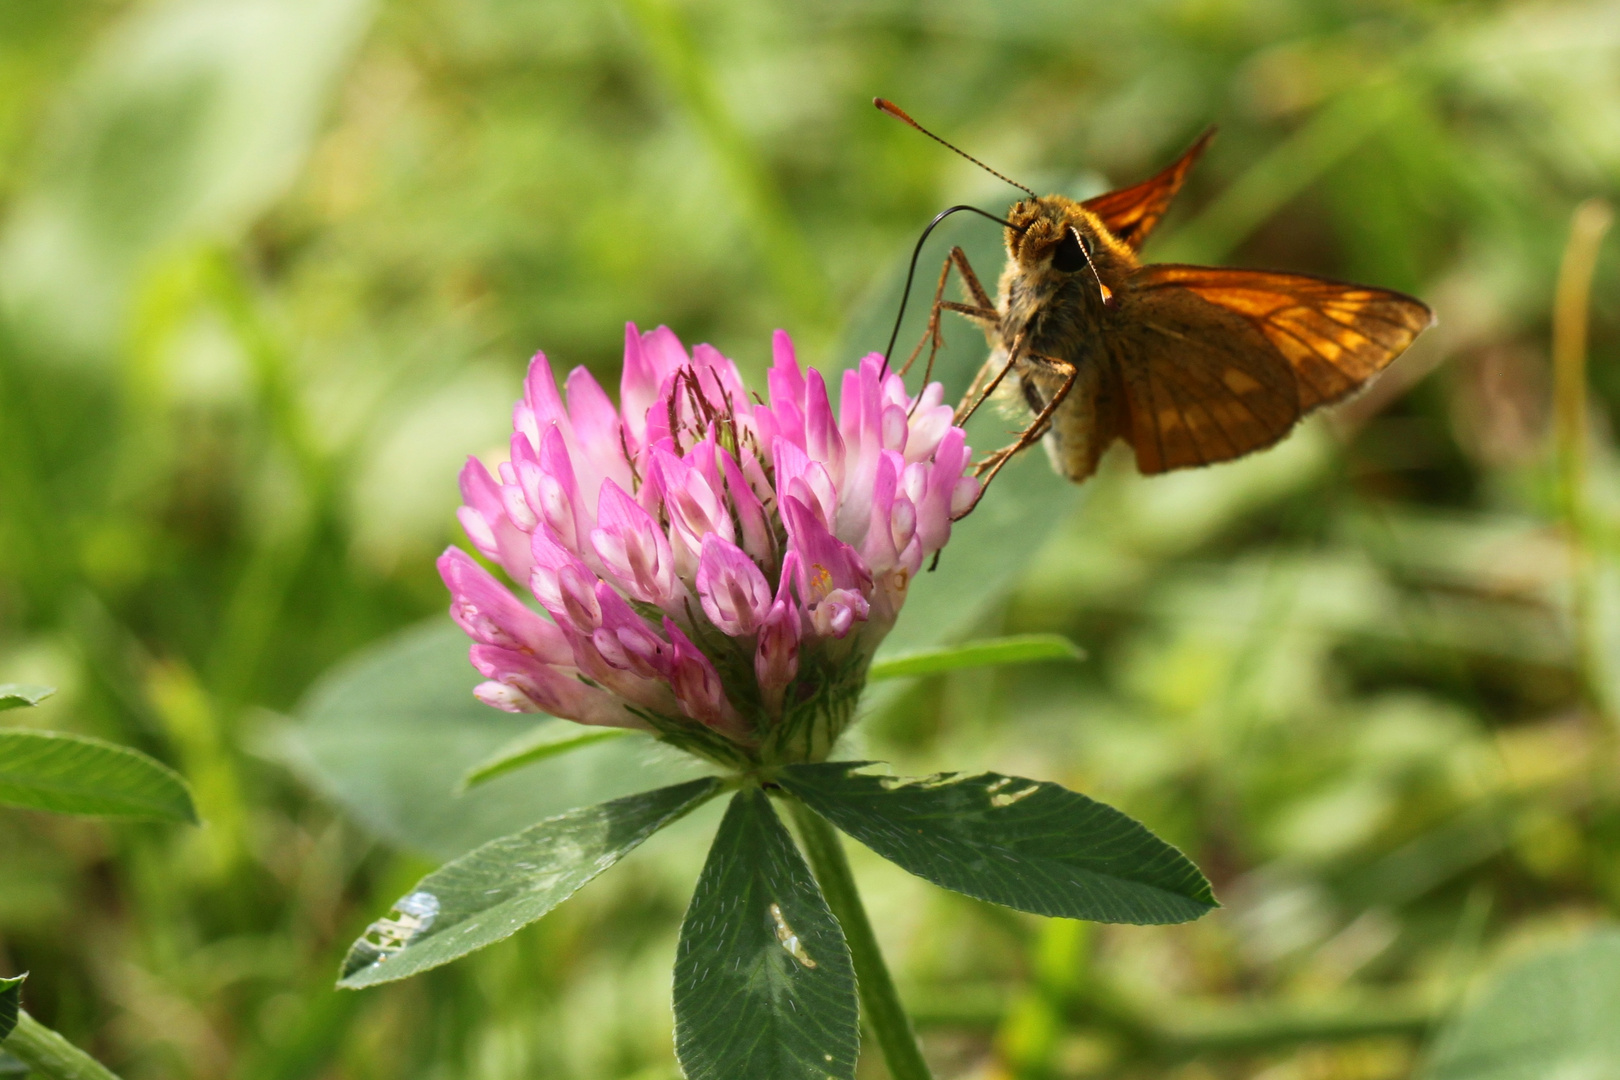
[1189, 365]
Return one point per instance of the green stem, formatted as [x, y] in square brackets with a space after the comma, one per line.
[884, 1014]
[50, 1056]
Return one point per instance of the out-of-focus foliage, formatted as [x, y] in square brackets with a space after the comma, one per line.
[268, 268]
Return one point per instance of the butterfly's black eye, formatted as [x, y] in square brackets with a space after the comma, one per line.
[1069, 256]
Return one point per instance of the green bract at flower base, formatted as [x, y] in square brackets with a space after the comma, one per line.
[717, 572]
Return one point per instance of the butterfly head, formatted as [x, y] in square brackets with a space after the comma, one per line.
[1054, 237]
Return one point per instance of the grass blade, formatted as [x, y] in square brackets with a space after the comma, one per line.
[536, 745]
[990, 652]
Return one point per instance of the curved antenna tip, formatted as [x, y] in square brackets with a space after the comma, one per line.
[885, 105]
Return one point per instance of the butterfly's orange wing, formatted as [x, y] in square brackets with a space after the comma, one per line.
[1131, 213]
[1217, 363]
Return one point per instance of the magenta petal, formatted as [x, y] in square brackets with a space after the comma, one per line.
[633, 548]
[826, 562]
[596, 429]
[491, 615]
[564, 585]
[625, 639]
[695, 508]
[734, 594]
[528, 682]
[698, 688]
[541, 404]
[822, 441]
[487, 524]
[757, 539]
[934, 506]
[548, 483]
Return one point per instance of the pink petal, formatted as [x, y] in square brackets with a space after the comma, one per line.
[491, 615]
[757, 538]
[663, 353]
[776, 657]
[833, 580]
[934, 501]
[626, 641]
[806, 480]
[564, 585]
[878, 545]
[695, 508]
[719, 378]
[541, 404]
[734, 594]
[520, 683]
[633, 549]
[485, 519]
[784, 381]
[596, 428]
[838, 612]
[822, 440]
[638, 388]
[698, 688]
[548, 484]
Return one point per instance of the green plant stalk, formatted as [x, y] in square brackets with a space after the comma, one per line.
[1570, 316]
[50, 1056]
[880, 1003]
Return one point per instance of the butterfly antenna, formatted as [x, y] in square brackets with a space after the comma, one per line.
[1107, 293]
[900, 114]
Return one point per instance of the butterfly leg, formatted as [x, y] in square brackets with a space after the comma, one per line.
[931, 335]
[971, 280]
[979, 392]
[983, 311]
[987, 469]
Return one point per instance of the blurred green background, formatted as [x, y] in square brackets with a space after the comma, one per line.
[270, 268]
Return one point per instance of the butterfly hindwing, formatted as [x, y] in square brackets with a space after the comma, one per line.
[1131, 213]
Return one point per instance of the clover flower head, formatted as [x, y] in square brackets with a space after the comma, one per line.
[712, 568]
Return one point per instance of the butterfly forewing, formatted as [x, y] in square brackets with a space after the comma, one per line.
[1335, 335]
[1131, 213]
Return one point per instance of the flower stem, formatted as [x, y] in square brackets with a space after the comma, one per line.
[48, 1055]
[884, 1014]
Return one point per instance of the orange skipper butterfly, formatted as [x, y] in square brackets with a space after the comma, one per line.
[1190, 365]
